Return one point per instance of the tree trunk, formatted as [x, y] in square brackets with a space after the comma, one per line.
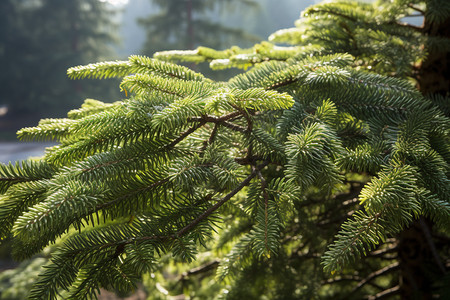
[414, 254]
[433, 74]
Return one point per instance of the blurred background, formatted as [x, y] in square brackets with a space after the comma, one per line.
[41, 39]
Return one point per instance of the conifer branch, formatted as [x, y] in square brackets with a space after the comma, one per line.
[266, 207]
[132, 193]
[222, 201]
[220, 121]
[197, 220]
[341, 140]
[186, 134]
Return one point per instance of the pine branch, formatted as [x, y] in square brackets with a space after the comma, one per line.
[186, 134]
[222, 201]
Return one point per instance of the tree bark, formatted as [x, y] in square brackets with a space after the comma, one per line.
[433, 75]
[414, 254]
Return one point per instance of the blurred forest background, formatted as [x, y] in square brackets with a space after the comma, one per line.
[40, 39]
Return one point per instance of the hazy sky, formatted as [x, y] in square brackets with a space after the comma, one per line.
[283, 13]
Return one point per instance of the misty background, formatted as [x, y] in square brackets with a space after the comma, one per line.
[40, 39]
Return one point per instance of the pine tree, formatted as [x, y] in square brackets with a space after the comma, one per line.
[296, 179]
[190, 23]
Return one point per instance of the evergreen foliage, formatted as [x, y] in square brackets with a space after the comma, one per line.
[293, 179]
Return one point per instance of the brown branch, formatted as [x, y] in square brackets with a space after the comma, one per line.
[186, 134]
[374, 275]
[382, 252]
[210, 140]
[429, 239]
[233, 126]
[348, 278]
[410, 5]
[213, 119]
[230, 116]
[266, 205]
[222, 201]
[413, 27]
[200, 269]
[221, 120]
[386, 293]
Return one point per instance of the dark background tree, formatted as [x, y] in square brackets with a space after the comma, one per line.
[39, 40]
[191, 23]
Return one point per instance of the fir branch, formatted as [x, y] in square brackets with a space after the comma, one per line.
[222, 201]
[101, 70]
[264, 186]
[185, 134]
[147, 65]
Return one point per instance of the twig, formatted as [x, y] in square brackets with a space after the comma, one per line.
[374, 275]
[222, 201]
[266, 204]
[210, 140]
[200, 269]
[407, 25]
[186, 134]
[386, 293]
[221, 120]
[416, 8]
[382, 252]
[431, 244]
